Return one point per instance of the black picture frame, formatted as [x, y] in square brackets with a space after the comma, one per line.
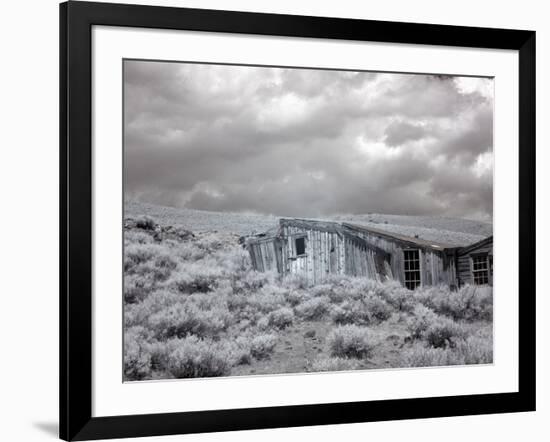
[76, 21]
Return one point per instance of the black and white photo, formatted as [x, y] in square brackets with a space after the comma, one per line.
[294, 220]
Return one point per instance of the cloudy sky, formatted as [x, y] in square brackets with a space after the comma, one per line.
[301, 142]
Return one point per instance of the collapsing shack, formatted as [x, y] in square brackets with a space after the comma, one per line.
[318, 249]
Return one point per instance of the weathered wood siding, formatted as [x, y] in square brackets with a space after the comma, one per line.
[324, 253]
[328, 251]
[464, 261]
[265, 254]
[362, 260]
[437, 266]
[341, 248]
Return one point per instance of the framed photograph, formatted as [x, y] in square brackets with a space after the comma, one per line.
[273, 220]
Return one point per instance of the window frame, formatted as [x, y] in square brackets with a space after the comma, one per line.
[295, 248]
[419, 282]
[487, 268]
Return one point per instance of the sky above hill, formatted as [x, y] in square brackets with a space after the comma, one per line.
[302, 142]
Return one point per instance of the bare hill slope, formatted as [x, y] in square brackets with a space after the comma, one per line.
[454, 231]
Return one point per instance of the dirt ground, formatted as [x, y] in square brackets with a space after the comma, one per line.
[302, 343]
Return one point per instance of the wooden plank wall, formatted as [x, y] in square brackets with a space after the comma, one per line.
[340, 252]
[360, 260]
[464, 268]
[266, 255]
[435, 266]
[324, 253]
[331, 252]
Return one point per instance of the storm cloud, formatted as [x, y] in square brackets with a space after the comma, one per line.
[301, 142]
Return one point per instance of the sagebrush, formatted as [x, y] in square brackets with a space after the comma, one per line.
[194, 307]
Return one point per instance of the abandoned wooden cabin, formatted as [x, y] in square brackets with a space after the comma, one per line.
[318, 249]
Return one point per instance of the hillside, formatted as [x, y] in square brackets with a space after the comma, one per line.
[202, 220]
[454, 231]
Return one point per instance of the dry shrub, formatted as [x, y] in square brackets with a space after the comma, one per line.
[262, 346]
[314, 308]
[472, 303]
[251, 281]
[233, 352]
[380, 299]
[468, 303]
[281, 318]
[443, 332]
[422, 317]
[214, 241]
[137, 359]
[295, 297]
[351, 341]
[350, 312]
[263, 323]
[422, 356]
[400, 298]
[188, 251]
[241, 309]
[138, 314]
[235, 260]
[367, 310]
[136, 237]
[152, 272]
[322, 290]
[242, 351]
[137, 287]
[197, 358]
[477, 348]
[160, 353]
[135, 254]
[145, 223]
[426, 295]
[165, 261]
[346, 288]
[199, 276]
[266, 300]
[378, 309]
[357, 287]
[184, 318]
[177, 233]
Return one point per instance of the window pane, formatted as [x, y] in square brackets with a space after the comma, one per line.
[480, 269]
[300, 246]
[411, 268]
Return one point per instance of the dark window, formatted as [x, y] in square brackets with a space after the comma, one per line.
[480, 269]
[300, 246]
[411, 262]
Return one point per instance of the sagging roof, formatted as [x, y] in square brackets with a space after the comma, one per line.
[476, 245]
[404, 238]
[347, 228]
[325, 226]
[334, 226]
